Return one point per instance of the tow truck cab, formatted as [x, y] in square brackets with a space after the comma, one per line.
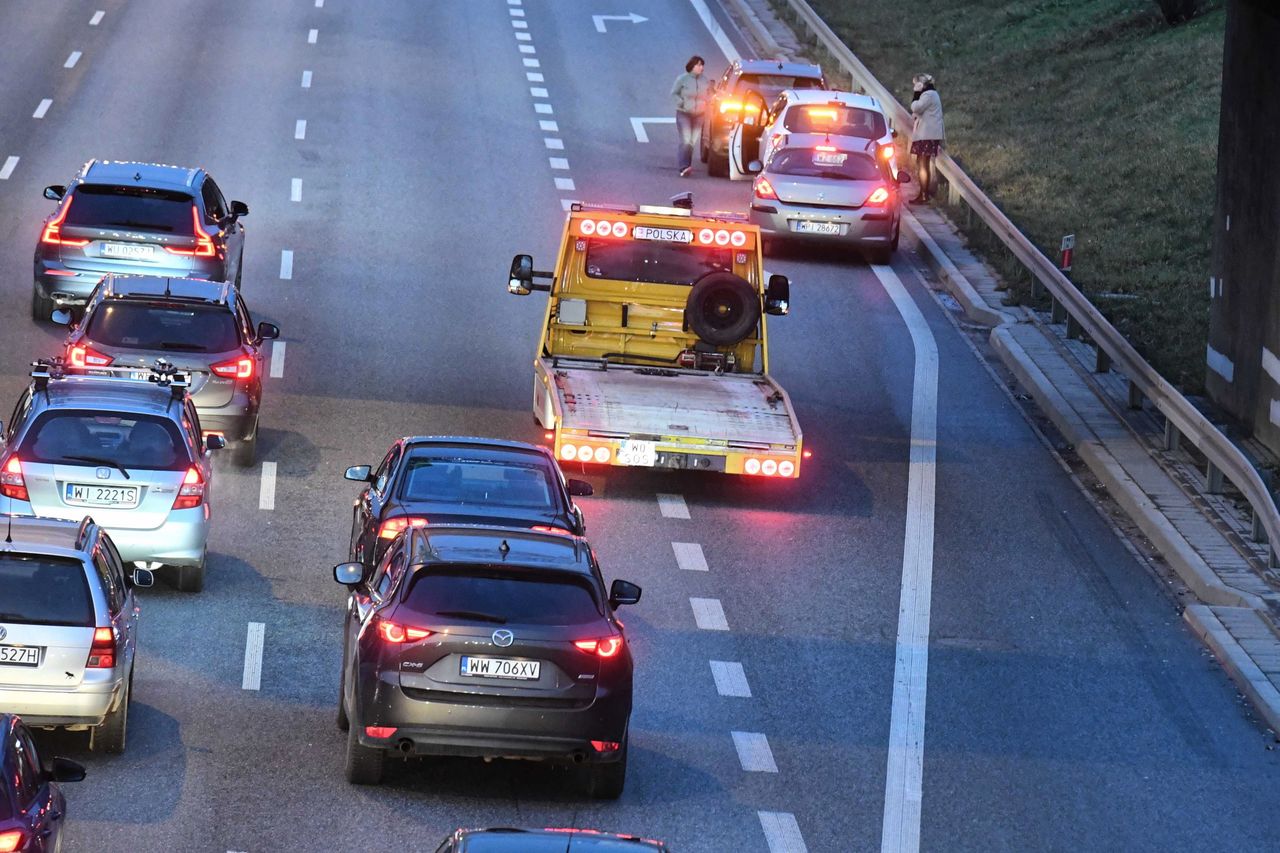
[654, 349]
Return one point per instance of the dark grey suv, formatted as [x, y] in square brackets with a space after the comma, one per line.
[127, 217]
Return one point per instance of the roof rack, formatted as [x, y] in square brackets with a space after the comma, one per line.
[162, 373]
[83, 531]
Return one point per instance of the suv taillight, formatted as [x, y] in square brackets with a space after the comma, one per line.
[235, 368]
[392, 526]
[204, 242]
[606, 647]
[192, 492]
[83, 356]
[102, 654]
[10, 840]
[12, 484]
[394, 632]
[53, 231]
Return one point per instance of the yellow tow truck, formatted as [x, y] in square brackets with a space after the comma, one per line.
[654, 349]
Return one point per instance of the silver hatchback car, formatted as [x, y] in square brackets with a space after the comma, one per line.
[68, 627]
[128, 450]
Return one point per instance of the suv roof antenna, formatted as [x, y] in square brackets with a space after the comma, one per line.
[8, 534]
[166, 286]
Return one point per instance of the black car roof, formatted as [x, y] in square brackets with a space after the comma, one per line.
[482, 545]
[470, 442]
[773, 66]
[128, 173]
[125, 286]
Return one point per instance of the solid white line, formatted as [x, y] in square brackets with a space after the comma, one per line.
[543, 109]
[753, 752]
[252, 679]
[717, 33]
[306, 79]
[312, 35]
[520, 25]
[782, 832]
[286, 264]
[904, 777]
[538, 92]
[267, 493]
[731, 679]
[689, 556]
[7, 169]
[558, 163]
[533, 77]
[295, 189]
[277, 359]
[532, 63]
[548, 125]
[73, 58]
[523, 37]
[97, 18]
[642, 133]
[43, 108]
[553, 144]
[565, 184]
[530, 49]
[300, 129]
[673, 506]
[708, 614]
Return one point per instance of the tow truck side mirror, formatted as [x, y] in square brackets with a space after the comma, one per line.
[55, 192]
[520, 282]
[777, 296]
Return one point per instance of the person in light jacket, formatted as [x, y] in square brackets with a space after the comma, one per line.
[928, 135]
[690, 94]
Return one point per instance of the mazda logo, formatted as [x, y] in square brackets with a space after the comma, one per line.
[503, 637]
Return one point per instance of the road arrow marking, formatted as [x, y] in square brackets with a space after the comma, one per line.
[600, 19]
[637, 125]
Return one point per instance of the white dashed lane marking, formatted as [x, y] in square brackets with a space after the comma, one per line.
[306, 79]
[319, 4]
[73, 58]
[753, 752]
[533, 76]
[548, 125]
[731, 679]
[312, 35]
[295, 190]
[300, 129]
[523, 37]
[533, 63]
[689, 556]
[520, 25]
[559, 163]
[553, 144]
[673, 506]
[538, 92]
[708, 614]
[286, 264]
[267, 494]
[97, 18]
[43, 108]
[565, 184]
[782, 833]
[516, 13]
[277, 359]
[6, 170]
[252, 679]
[528, 48]
[543, 109]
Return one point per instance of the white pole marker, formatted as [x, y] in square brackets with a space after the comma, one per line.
[267, 492]
[252, 679]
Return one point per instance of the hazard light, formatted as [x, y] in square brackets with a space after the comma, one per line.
[765, 467]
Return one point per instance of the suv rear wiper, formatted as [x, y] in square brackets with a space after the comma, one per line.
[98, 461]
[472, 614]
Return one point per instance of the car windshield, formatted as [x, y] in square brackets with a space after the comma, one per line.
[163, 326]
[816, 163]
[835, 119]
[470, 481]
[772, 84]
[654, 261]
[144, 208]
[532, 598]
[37, 590]
[133, 441]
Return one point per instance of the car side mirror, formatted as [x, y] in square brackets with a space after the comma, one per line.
[214, 442]
[61, 316]
[66, 770]
[268, 331]
[142, 578]
[755, 167]
[55, 192]
[581, 489]
[239, 208]
[349, 574]
[359, 473]
[777, 296]
[904, 177]
[623, 592]
[520, 282]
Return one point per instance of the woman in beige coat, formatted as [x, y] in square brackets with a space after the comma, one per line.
[928, 135]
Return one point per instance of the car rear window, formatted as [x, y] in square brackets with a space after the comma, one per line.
[837, 120]
[468, 481]
[44, 591]
[778, 82]
[836, 165]
[524, 599]
[156, 325]
[495, 843]
[144, 208]
[653, 261]
[144, 442]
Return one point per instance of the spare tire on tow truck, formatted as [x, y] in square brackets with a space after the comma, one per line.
[722, 308]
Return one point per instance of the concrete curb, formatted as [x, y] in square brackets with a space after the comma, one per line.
[1243, 671]
[975, 307]
[759, 33]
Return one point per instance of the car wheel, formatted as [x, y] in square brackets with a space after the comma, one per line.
[246, 453]
[717, 164]
[897, 231]
[110, 736]
[606, 781]
[191, 578]
[364, 765]
[41, 306]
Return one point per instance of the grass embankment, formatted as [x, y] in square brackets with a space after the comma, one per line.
[1091, 117]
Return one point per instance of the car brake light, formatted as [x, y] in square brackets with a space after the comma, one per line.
[886, 152]
[191, 494]
[53, 231]
[392, 526]
[605, 648]
[10, 841]
[823, 112]
[83, 356]
[825, 148]
[235, 368]
[878, 196]
[381, 732]
[12, 484]
[102, 654]
[764, 189]
[394, 632]
[204, 242]
[606, 745]
[543, 528]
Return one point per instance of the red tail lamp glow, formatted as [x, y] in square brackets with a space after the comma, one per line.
[10, 840]
[102, 654]
[12, 484]
[886, 151]
[191, 495]
[380, 732]
[769, 467]
[392, 526]
[394, 632]
[235, 368]
[828, 148]
[764, 189]
[545, 528]
[605, 746]
[824, 112]
[204, 242]
[605, 648]
[53, 231]
[83, 356]
[878, 196]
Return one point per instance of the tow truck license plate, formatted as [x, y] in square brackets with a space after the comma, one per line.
[524, 670]
[642, 454]
[128, 250]
[20, 655]
[84, 494]
[665, 235]
[804, 226]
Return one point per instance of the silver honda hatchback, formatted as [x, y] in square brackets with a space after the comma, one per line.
[127, 450]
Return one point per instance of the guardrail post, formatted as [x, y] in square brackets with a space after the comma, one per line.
[1213, 479]
[1057, 312]
[953, 194]
[1272, 561]
[1135, 395]
[1172, 438]
[1103, 362]
[1257, 532]
[1074, 329]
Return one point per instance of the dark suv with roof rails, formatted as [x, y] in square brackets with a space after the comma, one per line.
[767, 77]
[126, 217]
[202, 328]
[486, 642]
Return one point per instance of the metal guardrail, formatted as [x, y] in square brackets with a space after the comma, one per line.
[1182, 418]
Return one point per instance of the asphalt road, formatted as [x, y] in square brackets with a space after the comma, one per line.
[1068, 706]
